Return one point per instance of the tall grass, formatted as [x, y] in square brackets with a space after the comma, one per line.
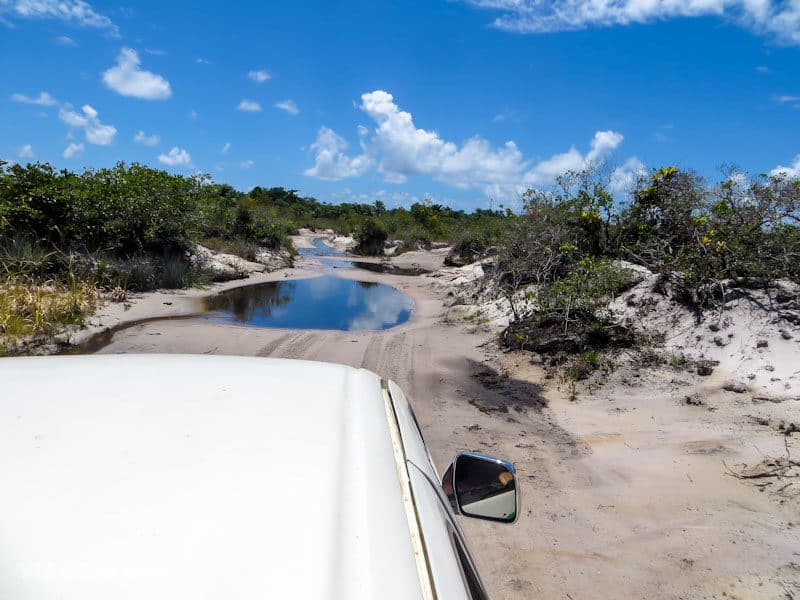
[20, 256]
[240, 247]
[175, 273]
[40, 309]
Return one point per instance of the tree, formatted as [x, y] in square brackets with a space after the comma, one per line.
[371, 237]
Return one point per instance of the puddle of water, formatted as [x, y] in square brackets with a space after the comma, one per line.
[320, 249]
[330, 259]
[320, 303]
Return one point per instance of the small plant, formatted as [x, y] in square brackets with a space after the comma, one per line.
[592, 359]
[570, 379]
[175, 273]
[678, 361]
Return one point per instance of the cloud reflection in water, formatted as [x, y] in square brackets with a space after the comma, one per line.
[319, 303]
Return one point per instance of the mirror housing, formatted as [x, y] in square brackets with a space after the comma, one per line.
[482, 487]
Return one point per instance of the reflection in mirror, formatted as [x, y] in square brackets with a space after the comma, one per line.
[447, 486]
[482, 486]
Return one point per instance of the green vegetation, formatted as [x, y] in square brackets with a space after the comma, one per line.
[371, 236]
[68, 238]
[374, 224]
[561, 264]
[130, 227]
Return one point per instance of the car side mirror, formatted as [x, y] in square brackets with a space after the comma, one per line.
[483, 487]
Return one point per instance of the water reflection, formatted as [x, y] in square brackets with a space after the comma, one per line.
[320, 249]
[319, 303]
[388, 268]
[375, 267]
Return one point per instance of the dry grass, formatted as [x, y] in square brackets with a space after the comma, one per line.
[29, 309]
[242, 248]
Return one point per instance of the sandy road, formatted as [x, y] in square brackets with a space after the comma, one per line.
[436, 364]
[624, 495]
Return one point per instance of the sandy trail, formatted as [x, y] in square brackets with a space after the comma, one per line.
[624, 494]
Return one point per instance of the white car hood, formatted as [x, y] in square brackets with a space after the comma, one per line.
[197, 477]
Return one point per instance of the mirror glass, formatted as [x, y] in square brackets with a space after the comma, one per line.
[485, 487]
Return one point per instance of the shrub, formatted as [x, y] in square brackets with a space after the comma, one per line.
[138, 273]
[126, 209]
[175, 272]
[371, 237]
[244, 223]
[590, 285]
[274, 234]
[469, 246]
[535, 249]
[570, 313]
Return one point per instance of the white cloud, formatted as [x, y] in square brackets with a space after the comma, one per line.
[406, 150]
[146, 140]
[331, 162]
[289, 106]
[202, 61]
[247, 164]
[787, 99]
[64, 40]
[763, 69]
[399, 149]
[127, 79]
[177, 157]
[72, 11]
[249, 106]
[778, 19]
[382, 306]
[226, 148]
[43, 99]
[624, 178]
[96, 133]
[193, 115]
[792, 170]
[26, 151]
[259, 75]
[72, 150]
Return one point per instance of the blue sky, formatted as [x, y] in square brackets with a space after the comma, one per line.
[464, 101]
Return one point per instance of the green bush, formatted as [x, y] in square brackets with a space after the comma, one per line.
[137, 273]
[371, 237]
[274, 234]
[125, 210]
[586, 289]
[570, 314]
